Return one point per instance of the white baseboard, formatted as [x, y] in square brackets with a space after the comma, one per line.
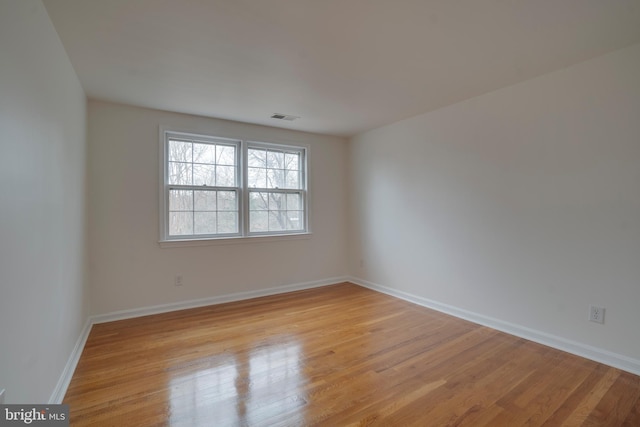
[579, 349]
[67, 373]
[202, 302]
[599, 355]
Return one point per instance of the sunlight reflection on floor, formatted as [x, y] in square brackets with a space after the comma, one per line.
[241, 388]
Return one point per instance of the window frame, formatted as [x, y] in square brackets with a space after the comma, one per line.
[302, 190]
[243, 145]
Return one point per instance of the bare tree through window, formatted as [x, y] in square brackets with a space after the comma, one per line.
[275, 199]
[203, 196]
[216, 187]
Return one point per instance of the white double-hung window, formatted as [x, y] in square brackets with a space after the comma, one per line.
[216, 187]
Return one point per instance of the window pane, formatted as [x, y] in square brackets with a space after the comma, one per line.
[294, 201]
[204, 153]
[294, 220]
[292, 179]
[180, 151]
[275, 178]
[204, 222]
[226, 155]
[258, 201]
[275, 160]
[204, 175]
[257, 158]
[257, 178]
[225, 176]
[277, 221]
[276, 201]
[180, 173]
[227, 201]
[292, 161]
[204, 200]
[258, 221]
[180, 223]
[180, 200]
[227, 222]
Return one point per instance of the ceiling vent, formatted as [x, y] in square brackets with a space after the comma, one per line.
[284, 117]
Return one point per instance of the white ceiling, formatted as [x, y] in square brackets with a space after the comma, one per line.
[343, 66]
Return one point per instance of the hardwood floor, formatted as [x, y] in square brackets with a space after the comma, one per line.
[339, 355]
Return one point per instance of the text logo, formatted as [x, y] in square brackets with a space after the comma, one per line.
[34, 415]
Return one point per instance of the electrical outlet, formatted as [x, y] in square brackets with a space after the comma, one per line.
[178, 280]
[1, 396]
[596, 314]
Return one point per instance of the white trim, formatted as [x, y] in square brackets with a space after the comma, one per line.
[221, 299]
[67, 373]
[579, 349]
[266, 238]
[162, 158]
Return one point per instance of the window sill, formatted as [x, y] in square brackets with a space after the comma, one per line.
[177, 243]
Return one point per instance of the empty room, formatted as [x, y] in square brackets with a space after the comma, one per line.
[320, 213]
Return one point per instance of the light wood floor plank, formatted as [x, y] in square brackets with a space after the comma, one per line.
[337, 355]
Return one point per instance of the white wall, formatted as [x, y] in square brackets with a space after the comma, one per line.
[522, 205]
[43, 303]
[129, 270]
